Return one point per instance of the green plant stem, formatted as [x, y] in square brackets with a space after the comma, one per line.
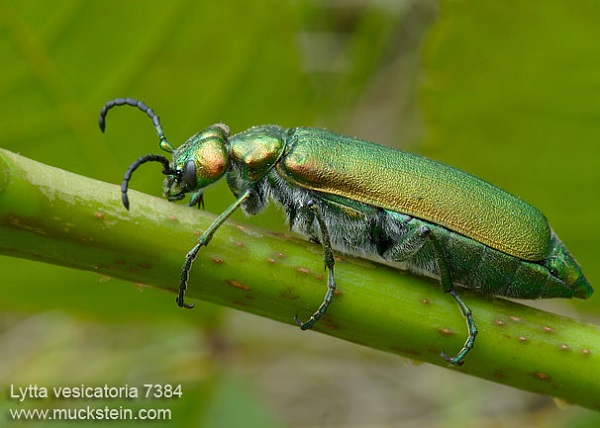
[53, 216]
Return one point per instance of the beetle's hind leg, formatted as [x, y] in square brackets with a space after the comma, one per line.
[329, 262]
[471, 327]
[409, 246]
[448, 287]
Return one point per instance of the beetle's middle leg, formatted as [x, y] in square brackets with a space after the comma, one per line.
[329, 262]
[411, 243]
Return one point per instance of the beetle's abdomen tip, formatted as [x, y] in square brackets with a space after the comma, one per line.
[583, 289]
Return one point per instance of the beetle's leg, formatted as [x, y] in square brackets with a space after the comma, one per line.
[329, 262]
[447, 286]
[203, 241]
[471, 328]
[406, 248]
[197, 199]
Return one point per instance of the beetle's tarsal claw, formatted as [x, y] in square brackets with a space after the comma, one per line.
[182, 304]
[308, 324]
[302, 325]
[456, 361]
[125, 200]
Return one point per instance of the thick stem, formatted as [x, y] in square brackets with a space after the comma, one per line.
[53, 216]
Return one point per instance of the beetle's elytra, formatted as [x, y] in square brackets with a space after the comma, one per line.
[364, 199]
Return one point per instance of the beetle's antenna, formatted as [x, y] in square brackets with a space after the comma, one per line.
[148, 158]
[163, 143]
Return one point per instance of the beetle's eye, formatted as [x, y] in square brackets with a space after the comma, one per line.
[188, 177]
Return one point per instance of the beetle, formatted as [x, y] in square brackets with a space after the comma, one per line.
[364, 199]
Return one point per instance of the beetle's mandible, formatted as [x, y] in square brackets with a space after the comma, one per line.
[364, 199]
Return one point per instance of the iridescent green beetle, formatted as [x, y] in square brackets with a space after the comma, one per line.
[368, 200]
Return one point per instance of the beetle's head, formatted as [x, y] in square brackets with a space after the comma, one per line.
[197, 163]
[563, 266]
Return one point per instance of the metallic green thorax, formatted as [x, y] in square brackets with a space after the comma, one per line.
[417, 186]
[258, 151]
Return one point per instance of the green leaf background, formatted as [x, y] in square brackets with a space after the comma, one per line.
[504, 90]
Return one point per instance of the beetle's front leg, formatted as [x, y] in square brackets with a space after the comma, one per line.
[203, 241]
[329, 262]
[406, 248]
[197, 199]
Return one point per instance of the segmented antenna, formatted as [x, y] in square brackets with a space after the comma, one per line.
[148, 158]
[163, 143]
